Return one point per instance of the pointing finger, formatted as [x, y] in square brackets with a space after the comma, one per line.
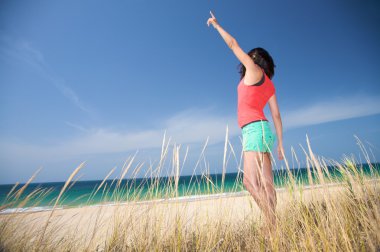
[212, 15]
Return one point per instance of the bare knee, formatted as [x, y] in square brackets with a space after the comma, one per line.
[254, 189]
[250, 182]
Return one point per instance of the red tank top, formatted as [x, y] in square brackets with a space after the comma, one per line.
[252, 100]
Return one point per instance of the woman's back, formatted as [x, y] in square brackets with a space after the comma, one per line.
[252, 100]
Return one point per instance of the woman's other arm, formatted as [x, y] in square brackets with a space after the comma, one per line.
[253, 72]
[273, 106]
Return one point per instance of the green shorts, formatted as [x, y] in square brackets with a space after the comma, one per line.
[258, 136]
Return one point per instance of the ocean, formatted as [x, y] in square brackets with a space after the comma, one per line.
[40, 196]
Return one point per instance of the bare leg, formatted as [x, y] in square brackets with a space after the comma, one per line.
[269, 188]
[258, 179]
[252, 178]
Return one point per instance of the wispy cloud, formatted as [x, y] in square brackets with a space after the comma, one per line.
[335, 109]
[23, 51]
[189, 126]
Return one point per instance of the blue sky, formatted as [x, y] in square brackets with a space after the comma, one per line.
[98, 80]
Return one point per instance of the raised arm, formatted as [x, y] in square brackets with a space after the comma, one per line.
[253, 72]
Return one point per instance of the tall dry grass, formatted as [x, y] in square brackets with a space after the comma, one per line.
[321, 217]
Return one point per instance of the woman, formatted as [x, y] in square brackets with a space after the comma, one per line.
[255, 90]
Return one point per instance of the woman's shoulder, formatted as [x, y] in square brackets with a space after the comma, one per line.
[264, 78]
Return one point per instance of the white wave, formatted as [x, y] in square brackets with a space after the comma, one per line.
[28, 209]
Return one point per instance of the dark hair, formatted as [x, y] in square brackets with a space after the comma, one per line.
[262, 58]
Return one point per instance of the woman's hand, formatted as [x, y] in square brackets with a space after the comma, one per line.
[280, 152]
[212, 20]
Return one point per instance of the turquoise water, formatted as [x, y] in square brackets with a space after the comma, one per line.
[83, 192]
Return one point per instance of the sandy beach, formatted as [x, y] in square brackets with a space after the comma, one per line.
[89, 225]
